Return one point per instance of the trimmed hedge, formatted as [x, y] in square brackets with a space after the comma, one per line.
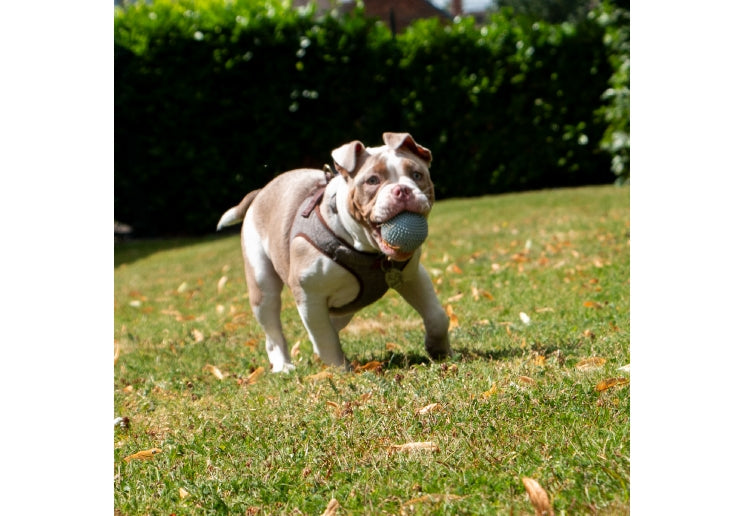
[214, 99]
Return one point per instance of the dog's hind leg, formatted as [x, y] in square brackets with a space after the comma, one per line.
[265, 292]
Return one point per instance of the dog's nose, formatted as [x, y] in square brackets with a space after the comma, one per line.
[401, 192]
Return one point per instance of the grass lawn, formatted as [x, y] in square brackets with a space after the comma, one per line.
[538, 288]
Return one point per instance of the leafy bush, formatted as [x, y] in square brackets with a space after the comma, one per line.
[511, 108]
[616, 109]
[214, 99]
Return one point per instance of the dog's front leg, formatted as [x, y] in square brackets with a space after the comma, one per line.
[323, 333]
[418, 290]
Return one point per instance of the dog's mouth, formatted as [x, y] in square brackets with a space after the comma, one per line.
[393, 252]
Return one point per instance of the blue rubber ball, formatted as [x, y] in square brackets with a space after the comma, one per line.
[405, 232]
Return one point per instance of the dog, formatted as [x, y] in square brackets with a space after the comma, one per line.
[319, 233]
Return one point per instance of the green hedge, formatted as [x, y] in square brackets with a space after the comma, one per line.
[213, 99]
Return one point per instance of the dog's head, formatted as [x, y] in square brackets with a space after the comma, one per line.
[385, 181]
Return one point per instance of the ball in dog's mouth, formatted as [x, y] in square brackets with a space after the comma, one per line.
[405, 232]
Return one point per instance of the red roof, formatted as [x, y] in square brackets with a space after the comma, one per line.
[404, 12]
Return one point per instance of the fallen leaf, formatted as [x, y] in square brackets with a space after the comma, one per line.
[490, 392]
[416, 446]
[319, 376]
[454, 321]
[231, 327]
[198, 336]
[486, 294]
[182, 287]
[295, 350]
[333, 404]
[455, 298]
[624, 369]
[431, 407]
[538, 497]
[238, 316]
[539, 360]
[454, 269]
[251, 343]
[590, 363]
[332, 507]
[592, 304]
[221, 283]
[474, 291]
[392, 346]
[220, 309]
[527, 380]
[143, 455]
[182, 493]
[216, 372]
[373, 365]
[612, 382]
[346, 409]
[128, 389]
[525, 318]
[255, 375]
[116, 351]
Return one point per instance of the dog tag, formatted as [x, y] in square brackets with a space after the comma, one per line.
[393, 277]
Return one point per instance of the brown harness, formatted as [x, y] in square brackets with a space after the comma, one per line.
[374, 272]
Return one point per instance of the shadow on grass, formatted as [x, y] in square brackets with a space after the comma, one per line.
[407, 360]
[128, 251]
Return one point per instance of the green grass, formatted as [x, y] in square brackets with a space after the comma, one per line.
[289, 443]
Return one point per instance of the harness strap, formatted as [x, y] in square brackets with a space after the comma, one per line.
[369, 269]
[314, 201]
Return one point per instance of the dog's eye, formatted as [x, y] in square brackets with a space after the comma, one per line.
[373, 180]
[417, 176]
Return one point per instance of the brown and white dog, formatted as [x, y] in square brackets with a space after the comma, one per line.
[321, 236]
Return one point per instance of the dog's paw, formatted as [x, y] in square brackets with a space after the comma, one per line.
[438, 347]
[282, 368]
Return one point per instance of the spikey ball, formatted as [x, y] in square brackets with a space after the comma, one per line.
[405, 232]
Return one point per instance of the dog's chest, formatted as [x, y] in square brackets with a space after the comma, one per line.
[352, 279]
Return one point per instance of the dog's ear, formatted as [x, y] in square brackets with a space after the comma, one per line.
[349, 157]
[406, 141]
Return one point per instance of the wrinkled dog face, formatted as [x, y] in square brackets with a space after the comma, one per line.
[385, 181]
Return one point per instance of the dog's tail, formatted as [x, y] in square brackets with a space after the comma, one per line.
[237, 213]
